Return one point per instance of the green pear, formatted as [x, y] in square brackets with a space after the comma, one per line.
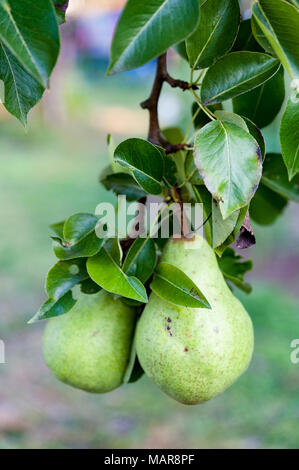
[193, 354]
[89, 347]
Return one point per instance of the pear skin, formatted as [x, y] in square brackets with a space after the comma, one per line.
[194, 354]
[89, 347]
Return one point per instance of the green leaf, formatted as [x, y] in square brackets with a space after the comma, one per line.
[215, 33]
[112, 246]
[58, 228]
[134, 370]
[145, 162]
[181, 49]
[236, 73]
[232, 236]
[279, 22]
[29, 30]
[262, 104]
[89, 287]
[173, 285]
[275, 177]
[22, 91]
[89, 246]
[203, 196]
[229, 160]
[266, 206]
[222, 228]
[260, 37]
[147, 29]
[79, 238]
[54, 308]
[191, 171]
[61, 278]
[106, 272]
[227, 116]
[141, 259]
[233, 269]
[257, 135]
[289, 136]
[202, 119]
[79, 226]
[123, 184]
[245, 40]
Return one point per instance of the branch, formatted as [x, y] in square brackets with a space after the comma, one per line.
[162, 75]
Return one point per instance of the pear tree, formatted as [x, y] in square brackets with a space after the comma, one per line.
[124, 305]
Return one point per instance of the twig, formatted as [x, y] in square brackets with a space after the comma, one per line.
[162, 75]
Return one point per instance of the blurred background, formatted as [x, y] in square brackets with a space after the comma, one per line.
[51, 171]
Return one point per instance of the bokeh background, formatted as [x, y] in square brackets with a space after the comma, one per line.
[51, 171]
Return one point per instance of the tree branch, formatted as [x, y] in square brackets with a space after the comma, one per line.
[162, 75]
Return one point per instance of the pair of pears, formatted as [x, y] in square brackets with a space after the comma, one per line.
[192, 354]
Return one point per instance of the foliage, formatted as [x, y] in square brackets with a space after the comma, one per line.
[221, 161]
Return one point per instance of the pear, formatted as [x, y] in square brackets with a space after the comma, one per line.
[193, 354]
[89, 347]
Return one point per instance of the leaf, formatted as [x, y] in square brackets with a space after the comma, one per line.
[236, 73]
[29, 30]
[215, 32]
[173, 285]
[58, 228]
[233, 269]
[134, 370]
[141, 259]
[79, 226]
[147, 29]
[232, 237]
[145, 162]
[203, 196]
[260, 37]
[123, 184]
[112, 246]
[275, 177]
[79, 238]
[289, 136]
[279, 22]
[89, 246]
[202, 119]
[181, 49]
[262, 104]
[229, 160]
[257, 135]
[245, 40]
[22, 91]
[266, 206]
[60, 8]
[106, 272]
[227, 116]
[54, 308]
[222, 228]
[89, 287]
[61, 278]
[191, 171]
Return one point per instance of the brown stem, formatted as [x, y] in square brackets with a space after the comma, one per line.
[162, 75]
